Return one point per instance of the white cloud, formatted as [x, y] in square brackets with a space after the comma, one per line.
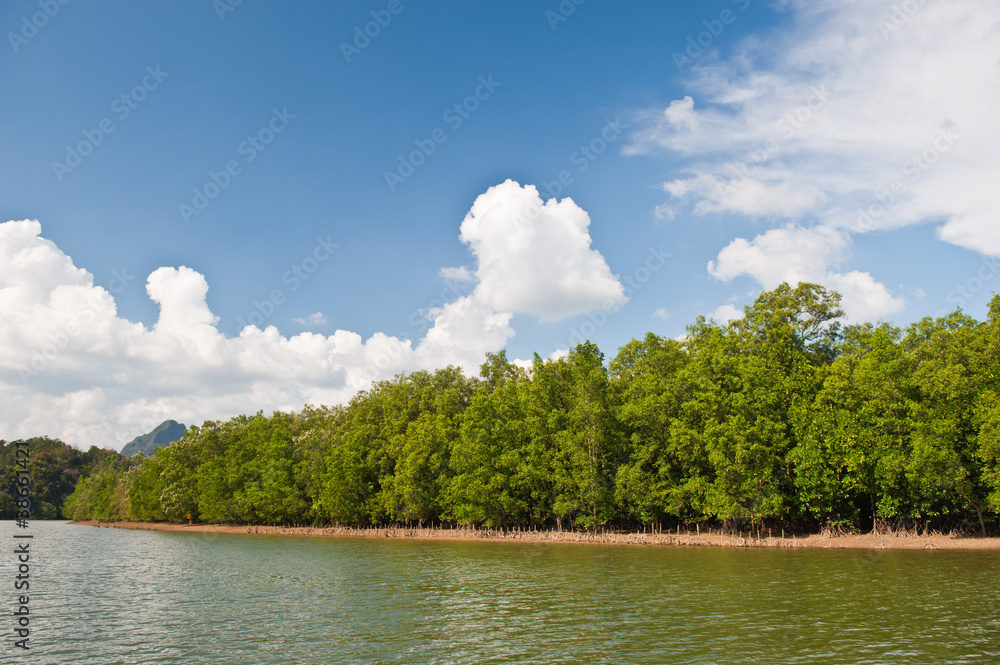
[787, 254]
[793, 255]
[748, 196]
[71, 368]
[726, 313]
[529, 365]
[535, 257]
[860, 116]
[864, 299]
[463, 331]
[681, 115]
[661, 314]
[314, 319]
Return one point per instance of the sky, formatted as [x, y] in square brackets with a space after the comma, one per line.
[218, 207]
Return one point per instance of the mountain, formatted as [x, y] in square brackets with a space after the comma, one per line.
[165, 433]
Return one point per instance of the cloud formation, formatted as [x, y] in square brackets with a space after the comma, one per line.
[70, 367]
[795, 255]
[862, 116]
[535, 257]
[726, 313]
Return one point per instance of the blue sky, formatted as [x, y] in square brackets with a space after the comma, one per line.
[739, 140]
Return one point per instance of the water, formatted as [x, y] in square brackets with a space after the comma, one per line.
[115, 596]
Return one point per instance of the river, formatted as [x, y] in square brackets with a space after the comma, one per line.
[118, 596]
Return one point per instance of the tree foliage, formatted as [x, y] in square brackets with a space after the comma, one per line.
[784, 416]
[55, 469]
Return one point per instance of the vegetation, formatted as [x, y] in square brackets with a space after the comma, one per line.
[783, 418]
[54, 467]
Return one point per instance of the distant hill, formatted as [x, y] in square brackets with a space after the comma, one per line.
[165, 433]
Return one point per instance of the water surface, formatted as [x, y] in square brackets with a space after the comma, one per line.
[117, 596]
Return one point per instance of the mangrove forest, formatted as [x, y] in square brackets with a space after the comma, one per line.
[787, 416]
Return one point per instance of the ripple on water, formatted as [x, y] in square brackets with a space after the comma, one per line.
[116, 596]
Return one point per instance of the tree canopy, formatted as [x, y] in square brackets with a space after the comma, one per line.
[784, 416]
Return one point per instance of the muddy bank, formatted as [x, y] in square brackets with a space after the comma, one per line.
[862, 541]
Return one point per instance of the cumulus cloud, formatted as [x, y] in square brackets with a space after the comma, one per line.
[864, 298]
[70, 367]
[787, 254]
[535, 257]
[861, 116]
[792, 254]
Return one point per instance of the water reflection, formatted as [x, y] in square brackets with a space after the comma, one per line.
[110, 596]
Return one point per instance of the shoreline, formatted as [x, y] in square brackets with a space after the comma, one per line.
[889, 541]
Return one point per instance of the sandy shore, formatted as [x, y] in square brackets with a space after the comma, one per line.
[865, 541]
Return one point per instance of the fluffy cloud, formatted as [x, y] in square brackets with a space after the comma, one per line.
[726, 313]
[781, 255]
[795, 255]
[861, 116]
[70, 367]
[864, 298]
[535, 257]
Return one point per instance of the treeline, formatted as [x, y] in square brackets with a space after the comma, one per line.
[784, 417]
[54, 468]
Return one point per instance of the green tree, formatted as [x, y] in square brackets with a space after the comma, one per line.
[487, 459]
[947, 381]
[852, 443]
[763, 372]
[666, 470]
[144, 486]
[589, 448]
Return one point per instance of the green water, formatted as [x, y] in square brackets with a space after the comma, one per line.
[114, 596]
